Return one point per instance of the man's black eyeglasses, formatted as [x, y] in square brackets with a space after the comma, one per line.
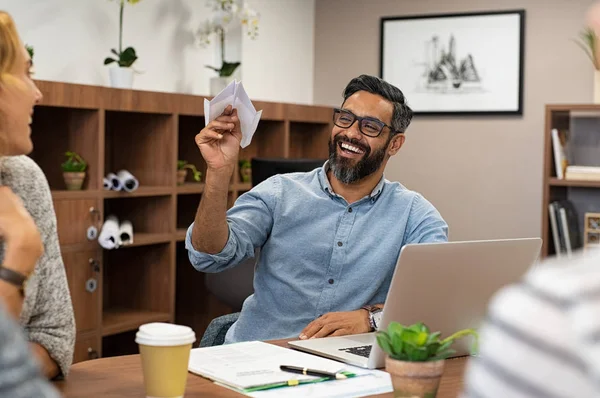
[369, 126]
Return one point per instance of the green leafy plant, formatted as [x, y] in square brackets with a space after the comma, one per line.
[588, 41]
[226, 12]
[183, 164]
[29, 50]
[415, 343]
[126, 57]
[74, 163]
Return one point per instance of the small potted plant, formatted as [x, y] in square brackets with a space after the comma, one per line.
[74, 171]
[182, 167]
[121, 76]
[415, 357]
[245, 170]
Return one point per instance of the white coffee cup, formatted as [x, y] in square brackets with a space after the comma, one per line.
[165, 352]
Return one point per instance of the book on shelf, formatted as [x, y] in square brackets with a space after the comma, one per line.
[585, 173]
[558, 148]
[564, 226]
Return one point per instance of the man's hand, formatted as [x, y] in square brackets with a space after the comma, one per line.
[219, 141]
[337, 324]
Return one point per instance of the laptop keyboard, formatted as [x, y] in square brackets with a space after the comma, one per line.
[362, 351]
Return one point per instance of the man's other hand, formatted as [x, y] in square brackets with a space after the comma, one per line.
[337, 324]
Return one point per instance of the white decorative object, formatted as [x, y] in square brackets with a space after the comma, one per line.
[125, 233]
[121, 77]
[109, 236]
[128, 182]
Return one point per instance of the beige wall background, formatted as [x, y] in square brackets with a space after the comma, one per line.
[484, 174]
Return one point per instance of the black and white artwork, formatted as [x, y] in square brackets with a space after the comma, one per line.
[456, 63]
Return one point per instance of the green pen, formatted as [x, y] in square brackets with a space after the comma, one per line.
[293, 383]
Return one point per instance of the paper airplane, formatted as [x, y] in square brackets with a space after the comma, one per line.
[234, 95]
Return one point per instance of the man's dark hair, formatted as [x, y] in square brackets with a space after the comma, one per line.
[402, 113]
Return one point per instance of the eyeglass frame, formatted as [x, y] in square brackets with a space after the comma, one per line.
[360, 119]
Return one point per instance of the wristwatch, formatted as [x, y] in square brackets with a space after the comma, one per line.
[14, 278]
[375, 314]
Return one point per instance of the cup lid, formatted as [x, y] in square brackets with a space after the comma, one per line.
[164, 334]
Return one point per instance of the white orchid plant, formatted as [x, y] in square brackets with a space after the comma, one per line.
[227, 12]
[124, 57]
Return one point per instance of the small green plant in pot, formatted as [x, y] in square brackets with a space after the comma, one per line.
[182, 167]
[245, 170]
[74, 171]
[415, 357]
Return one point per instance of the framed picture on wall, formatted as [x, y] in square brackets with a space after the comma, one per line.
[464, 64]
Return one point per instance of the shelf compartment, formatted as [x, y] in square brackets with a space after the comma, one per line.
[189, 127]
[269, 141]
[310, 140]
[143, 144]
[56, 130]
[191, 187]
[187, 205]
[148, 215]
[138, 287]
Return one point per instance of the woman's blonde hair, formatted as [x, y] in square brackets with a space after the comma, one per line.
[9, 43]
[9, 47]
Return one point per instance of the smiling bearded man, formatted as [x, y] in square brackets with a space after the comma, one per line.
[329, 239]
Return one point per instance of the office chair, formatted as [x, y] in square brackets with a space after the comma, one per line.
[233, 286]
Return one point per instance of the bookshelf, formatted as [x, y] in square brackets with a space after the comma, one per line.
[146, 133]
[584, 195]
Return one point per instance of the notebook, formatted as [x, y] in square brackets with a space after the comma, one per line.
[252, 368]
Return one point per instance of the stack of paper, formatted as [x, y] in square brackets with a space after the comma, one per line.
[246, 367]
[234, 95]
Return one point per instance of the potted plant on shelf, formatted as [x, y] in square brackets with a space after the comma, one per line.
[182, 167]
[415, 357]
[74, 171]
[121, 76]
[589, 42]
[227, 12]
[245, 170]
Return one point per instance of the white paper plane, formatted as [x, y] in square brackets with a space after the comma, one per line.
[234, 95]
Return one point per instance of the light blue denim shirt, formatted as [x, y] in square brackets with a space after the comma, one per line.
[318, 254]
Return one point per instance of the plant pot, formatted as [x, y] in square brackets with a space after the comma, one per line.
[121, 77]
[218, 84]
[181, 174]
[415, 379]
[74, 180]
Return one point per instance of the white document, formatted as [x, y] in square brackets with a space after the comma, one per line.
[235, 95]
[245, 365]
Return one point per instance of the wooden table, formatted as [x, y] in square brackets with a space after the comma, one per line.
[122, 377]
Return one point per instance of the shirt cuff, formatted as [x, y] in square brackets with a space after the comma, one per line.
[203, 261]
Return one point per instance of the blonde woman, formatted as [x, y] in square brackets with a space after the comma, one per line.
[43, 303]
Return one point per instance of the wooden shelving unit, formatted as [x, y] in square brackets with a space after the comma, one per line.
[560, 117]
[146, 133]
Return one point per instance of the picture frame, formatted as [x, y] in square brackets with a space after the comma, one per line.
[456, 64]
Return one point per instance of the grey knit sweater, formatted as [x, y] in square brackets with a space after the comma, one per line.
[47, 315]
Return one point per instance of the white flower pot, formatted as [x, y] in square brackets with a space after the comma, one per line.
[217, 84]
[121, 77]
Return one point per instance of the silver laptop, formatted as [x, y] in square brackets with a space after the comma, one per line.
[445, 285]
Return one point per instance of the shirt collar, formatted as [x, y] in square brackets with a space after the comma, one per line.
[326, 186]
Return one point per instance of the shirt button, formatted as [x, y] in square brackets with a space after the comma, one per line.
[340, 244]
[349, 209]
[330, 281]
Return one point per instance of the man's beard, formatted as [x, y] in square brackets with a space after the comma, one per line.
[348, 172]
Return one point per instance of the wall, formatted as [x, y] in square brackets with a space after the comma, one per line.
[484, 174]
[72, 37]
